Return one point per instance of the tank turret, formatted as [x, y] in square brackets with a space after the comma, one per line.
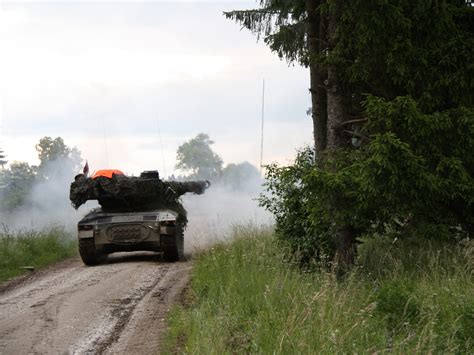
[121, 193]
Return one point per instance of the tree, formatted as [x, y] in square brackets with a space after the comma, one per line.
[2, 158]
[196, 156]
[377, 69]
[58, 165]
[241, 176]
[56, 157]
[15, 184]
[306, 31]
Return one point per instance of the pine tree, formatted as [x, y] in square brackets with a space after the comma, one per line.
[362, 55]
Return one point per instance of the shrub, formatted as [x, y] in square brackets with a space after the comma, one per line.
[396, 304]
[411, 176]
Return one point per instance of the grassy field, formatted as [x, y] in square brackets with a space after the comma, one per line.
[33, 248]
[410, 297]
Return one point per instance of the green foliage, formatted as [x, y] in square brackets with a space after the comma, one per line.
[419, 166]
[57, 161]
[282, 25]
[419, 48]
[396, 304]
[15, 184]
[302, 217]
[422, 49]
[413, 176]
[244, 299]
[405, 66]
[33, 248]
[197, 157]
[53, 152]
[466, 323]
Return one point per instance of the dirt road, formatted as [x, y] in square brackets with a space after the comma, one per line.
[115, 308]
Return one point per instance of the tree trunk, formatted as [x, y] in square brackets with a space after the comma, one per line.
[345, 243]
[335, 96]
[316, 31]
[335, 93]
[336, 111]
[344, 239]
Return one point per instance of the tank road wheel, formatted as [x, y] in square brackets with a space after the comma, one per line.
[173, 246]
[89, 255]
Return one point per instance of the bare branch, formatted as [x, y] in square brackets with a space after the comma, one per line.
[358, 120]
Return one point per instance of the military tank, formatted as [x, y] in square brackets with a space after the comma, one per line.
[136, 213]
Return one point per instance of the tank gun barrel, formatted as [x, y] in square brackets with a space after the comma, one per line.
[195, 187]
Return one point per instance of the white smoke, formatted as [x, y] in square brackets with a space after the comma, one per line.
[212, 215]
[47, 204]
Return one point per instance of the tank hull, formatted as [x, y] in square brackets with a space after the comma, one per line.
[101, 233]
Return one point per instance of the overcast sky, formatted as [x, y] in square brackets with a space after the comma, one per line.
[111, 78]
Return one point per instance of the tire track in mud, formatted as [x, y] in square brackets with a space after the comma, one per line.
[118, 307]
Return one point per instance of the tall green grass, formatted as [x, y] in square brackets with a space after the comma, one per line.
[403, 297]
[33, 248]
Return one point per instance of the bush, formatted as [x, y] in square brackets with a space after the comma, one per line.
[302, 215]
[412, 176]
[396, 304]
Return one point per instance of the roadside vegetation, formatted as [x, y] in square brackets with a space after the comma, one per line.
[403, 296]
[372, 249]
[33, 248]
[393, 121]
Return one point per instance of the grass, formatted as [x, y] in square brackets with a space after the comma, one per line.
[403, 297]
[33, 248]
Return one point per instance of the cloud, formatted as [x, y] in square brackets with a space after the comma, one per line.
[85, 71]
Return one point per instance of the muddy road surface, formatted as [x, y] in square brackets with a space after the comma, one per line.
[115, 308]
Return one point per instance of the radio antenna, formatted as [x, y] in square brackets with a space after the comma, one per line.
[161, 145]
[263, 115]
[105, 143]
